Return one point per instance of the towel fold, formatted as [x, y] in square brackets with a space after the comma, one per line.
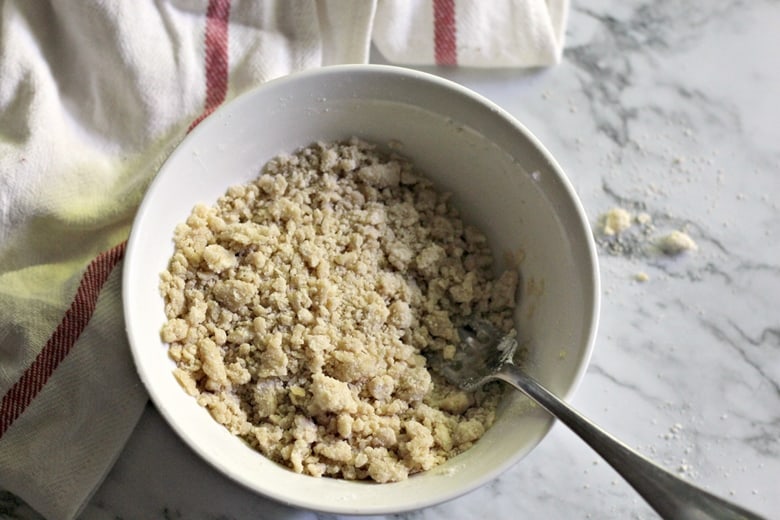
[94, 95]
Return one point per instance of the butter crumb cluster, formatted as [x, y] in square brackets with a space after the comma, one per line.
[615, 228]
[300, 305]
[677, 242]
[615, 221]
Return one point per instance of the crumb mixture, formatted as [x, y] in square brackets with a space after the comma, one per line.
[300, 305]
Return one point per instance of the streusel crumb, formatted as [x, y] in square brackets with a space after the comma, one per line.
[300, 305]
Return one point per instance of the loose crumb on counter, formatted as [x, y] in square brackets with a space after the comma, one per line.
[300, 305]
[615, 221]
[623, 233]
[677, 242]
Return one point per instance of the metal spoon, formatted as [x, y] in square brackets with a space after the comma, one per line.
[487, 355]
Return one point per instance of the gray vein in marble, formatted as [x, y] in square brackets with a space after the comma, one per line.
[749, 265]
[743, 352]
[770, 335]
[607, 67]
[632, 387]
[605, 74]
[767, 442]
[715, 111]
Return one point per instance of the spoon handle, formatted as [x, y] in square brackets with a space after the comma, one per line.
[670, 496]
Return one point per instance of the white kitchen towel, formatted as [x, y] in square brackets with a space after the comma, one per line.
[472, 33]
[94, 94]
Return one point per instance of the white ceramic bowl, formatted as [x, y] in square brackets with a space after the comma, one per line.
[504, 181]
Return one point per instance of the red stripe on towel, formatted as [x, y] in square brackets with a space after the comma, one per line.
[76, 318]
[21, 394]
[217, 15]
[445, 32]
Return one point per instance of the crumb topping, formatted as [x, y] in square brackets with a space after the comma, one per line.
[300, 305]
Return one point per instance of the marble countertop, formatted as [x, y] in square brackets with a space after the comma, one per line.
[661, 107]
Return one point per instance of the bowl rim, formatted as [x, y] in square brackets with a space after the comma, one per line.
[580, 227]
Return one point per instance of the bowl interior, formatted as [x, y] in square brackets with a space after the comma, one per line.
[503, 181]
